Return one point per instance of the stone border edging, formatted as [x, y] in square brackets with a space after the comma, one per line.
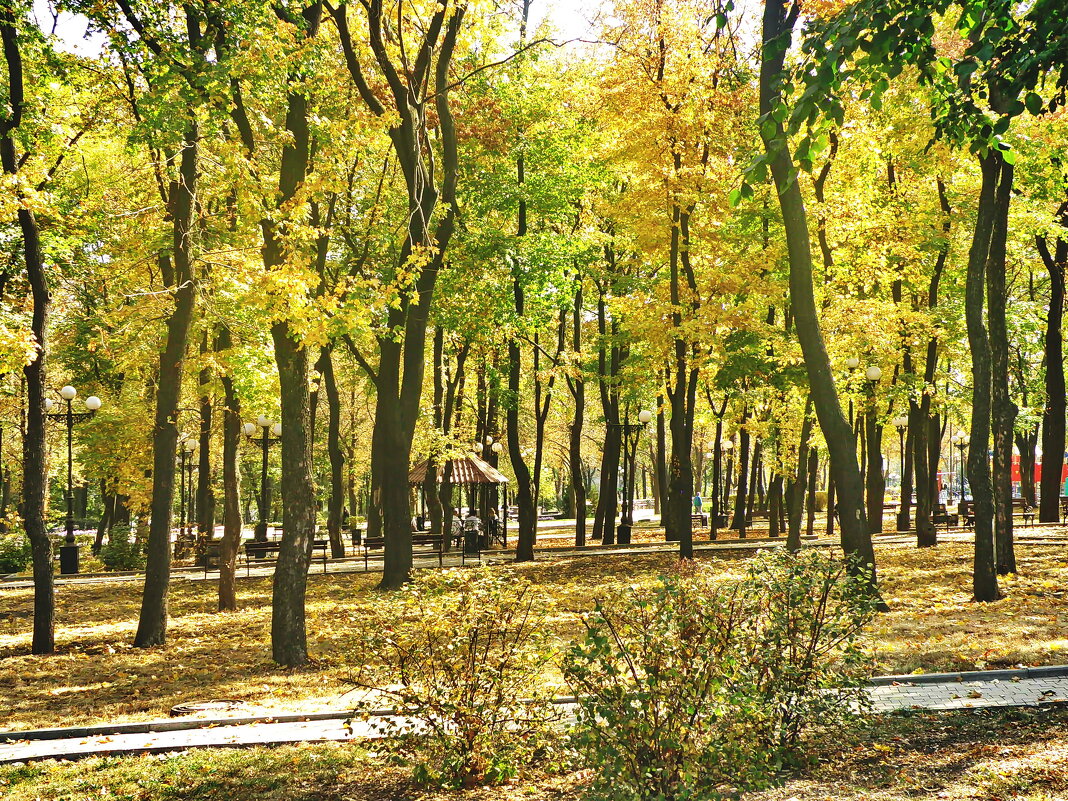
[165, 725]
[1045, 672]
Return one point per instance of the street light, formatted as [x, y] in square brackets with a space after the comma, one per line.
[901, 423]
[961, 441]
[630, 434]
[185, 454]
[271, 434]
[68, 552]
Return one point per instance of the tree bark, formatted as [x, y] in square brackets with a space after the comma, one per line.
[813, 470]
[414, 91]
[738, 520]
[578, 395]
[795, 491]
[289, 645]
[856, 538]
[205, 496]
[34, 446]
[152, 624]
[875, 484]
[1003, 410]
[231, 469]
[984, 574]
[1053, 415]
[336, 503]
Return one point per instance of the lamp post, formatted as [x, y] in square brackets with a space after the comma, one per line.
[186, 446]
[631, 433]
[502, 497]
[852, 363]
[901, 423]
[961, 442]
[68, 552]
[271, 434]
[728, 449]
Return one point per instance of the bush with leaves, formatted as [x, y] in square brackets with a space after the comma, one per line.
[462, 656]
[701, 687]
[121, 552]
[15, 552]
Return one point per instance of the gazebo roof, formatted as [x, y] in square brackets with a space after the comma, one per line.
[468, 470]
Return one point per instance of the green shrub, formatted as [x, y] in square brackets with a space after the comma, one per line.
[122, 553]
[15, 552]
[699, 688]
[462, 659]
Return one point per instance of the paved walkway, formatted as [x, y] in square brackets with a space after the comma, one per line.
[1028, 687]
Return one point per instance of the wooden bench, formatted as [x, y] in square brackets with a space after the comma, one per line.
[1024, 510]
[1018, 507]
[263, 551]
[941, 516]
[698, 519]
[967, 513]
[435, 541]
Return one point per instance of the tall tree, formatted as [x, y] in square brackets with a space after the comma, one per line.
[778, 24]
[34, 455]
[418, 86]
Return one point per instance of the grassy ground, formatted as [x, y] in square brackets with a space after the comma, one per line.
[97, 676]
[981, 756]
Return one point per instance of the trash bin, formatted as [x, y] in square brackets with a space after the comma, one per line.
[471, 537]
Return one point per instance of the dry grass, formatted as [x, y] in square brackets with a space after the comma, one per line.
[96, 675]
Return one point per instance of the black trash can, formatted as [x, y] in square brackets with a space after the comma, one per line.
[471, 537]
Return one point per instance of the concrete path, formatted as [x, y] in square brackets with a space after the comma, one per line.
[1027, 687]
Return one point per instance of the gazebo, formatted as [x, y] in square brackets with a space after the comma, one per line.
[472, 473]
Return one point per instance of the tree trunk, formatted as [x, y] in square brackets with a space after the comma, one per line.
[528, 513]
[919, 424]
[289, 645]
[205, 503]
[578, 394]
[231, 470]
[904, 512]
[775, 506]
[856, 538]
[1003, 410]
[738, 520]
[754, 479]
[795, 491]
[152, 625]
[336, 503]
[1025, 444]
[661, 459]
[1053, 416]
[604, 523]
[875, 483]
[399, 378]
[813, 470]
[984, 575]
[34, 446]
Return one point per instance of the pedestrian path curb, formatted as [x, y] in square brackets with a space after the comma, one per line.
[1047, 672]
